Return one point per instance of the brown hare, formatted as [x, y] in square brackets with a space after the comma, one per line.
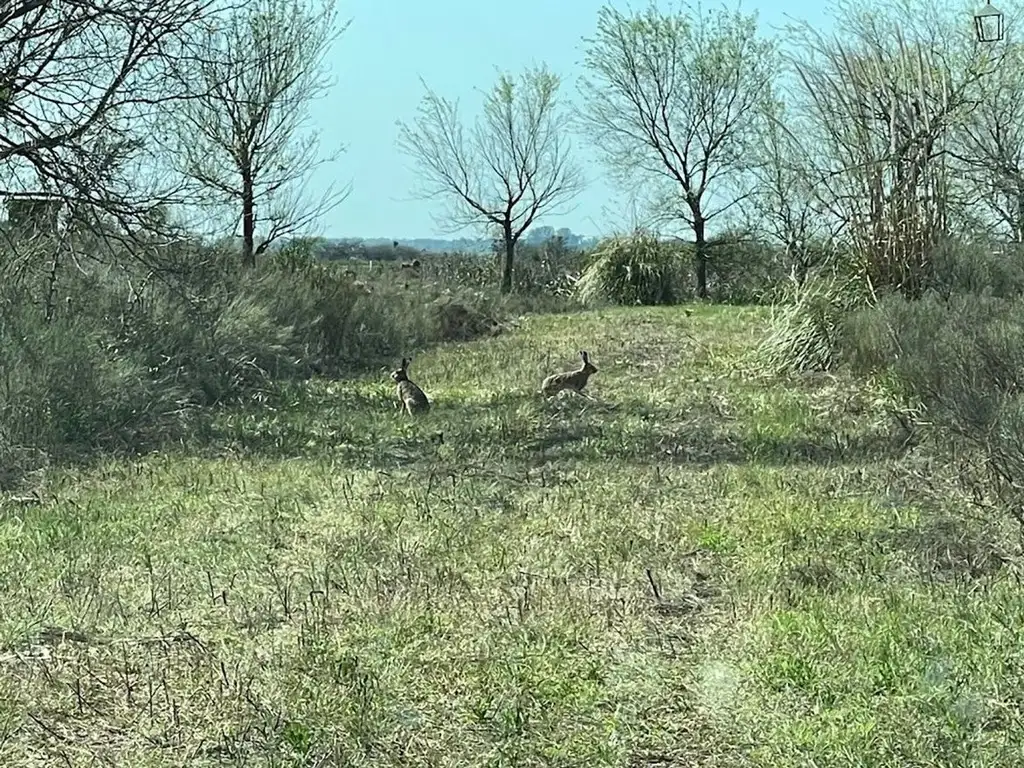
[411, 396]
[572, 380]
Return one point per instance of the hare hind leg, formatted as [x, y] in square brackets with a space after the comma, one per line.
[581, 393]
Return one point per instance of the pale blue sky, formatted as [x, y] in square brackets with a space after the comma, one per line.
[455, 46]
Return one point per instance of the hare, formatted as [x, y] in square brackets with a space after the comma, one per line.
[411, 396]
[573, 380]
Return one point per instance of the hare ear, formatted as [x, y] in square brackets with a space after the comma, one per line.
[585, 357]
[405, 363]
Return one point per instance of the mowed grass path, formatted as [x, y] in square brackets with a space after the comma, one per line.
[699, 568]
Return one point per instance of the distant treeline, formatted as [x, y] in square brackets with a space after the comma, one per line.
[340, 250]
[357, 249]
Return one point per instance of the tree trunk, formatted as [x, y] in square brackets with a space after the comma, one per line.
[798, 258]
[506, 267]
[248, 222]
[701, 247]
[1018, 229]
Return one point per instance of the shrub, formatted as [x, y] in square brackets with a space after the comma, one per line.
[743, 270]
[136, 353]
[549, 270]
[462, 320]
[992, 270]
[635, 269]
[960, 362]
[69, 388]
[807, 327]
[952, 365]
[469, 270]
[641, 269]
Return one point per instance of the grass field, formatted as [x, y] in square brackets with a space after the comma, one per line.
[699, 568]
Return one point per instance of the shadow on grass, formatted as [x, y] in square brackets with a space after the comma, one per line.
[572, 429]
[945, 548]
[365, 430]
[298, 423]
[699, 445]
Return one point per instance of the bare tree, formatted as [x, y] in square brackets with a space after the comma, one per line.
[783, 204]
[882, 97]
[991, 144]
[242, 142]
[512, 167]
[673, 97]
[79, 83]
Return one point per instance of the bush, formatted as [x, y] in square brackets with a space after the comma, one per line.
[990, 270]
[129, 356]
[952, 365]
[636, 269]
[469, 270]
[807, 326]
[742, 270]
[815, 323]
[641, 269]
[549, 270]
[959, 363]
[70, 389]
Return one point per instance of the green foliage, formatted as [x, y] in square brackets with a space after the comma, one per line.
[634, 269]
[951, 364]
[955, 368]
[978, 269]
[69, 387]
[121, 358]
[807, 325]
[743, 270]
[548, 270]
[643, 269]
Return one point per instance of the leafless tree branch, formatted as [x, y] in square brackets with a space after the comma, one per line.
[881, 97]
[79, 82]
[242, 142]
[671, 97]
[511, 167]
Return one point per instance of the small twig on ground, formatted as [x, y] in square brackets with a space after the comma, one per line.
[654, 586]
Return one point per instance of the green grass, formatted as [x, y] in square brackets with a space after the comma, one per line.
[701, 567]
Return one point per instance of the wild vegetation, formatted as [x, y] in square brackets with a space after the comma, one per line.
[785, 530]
